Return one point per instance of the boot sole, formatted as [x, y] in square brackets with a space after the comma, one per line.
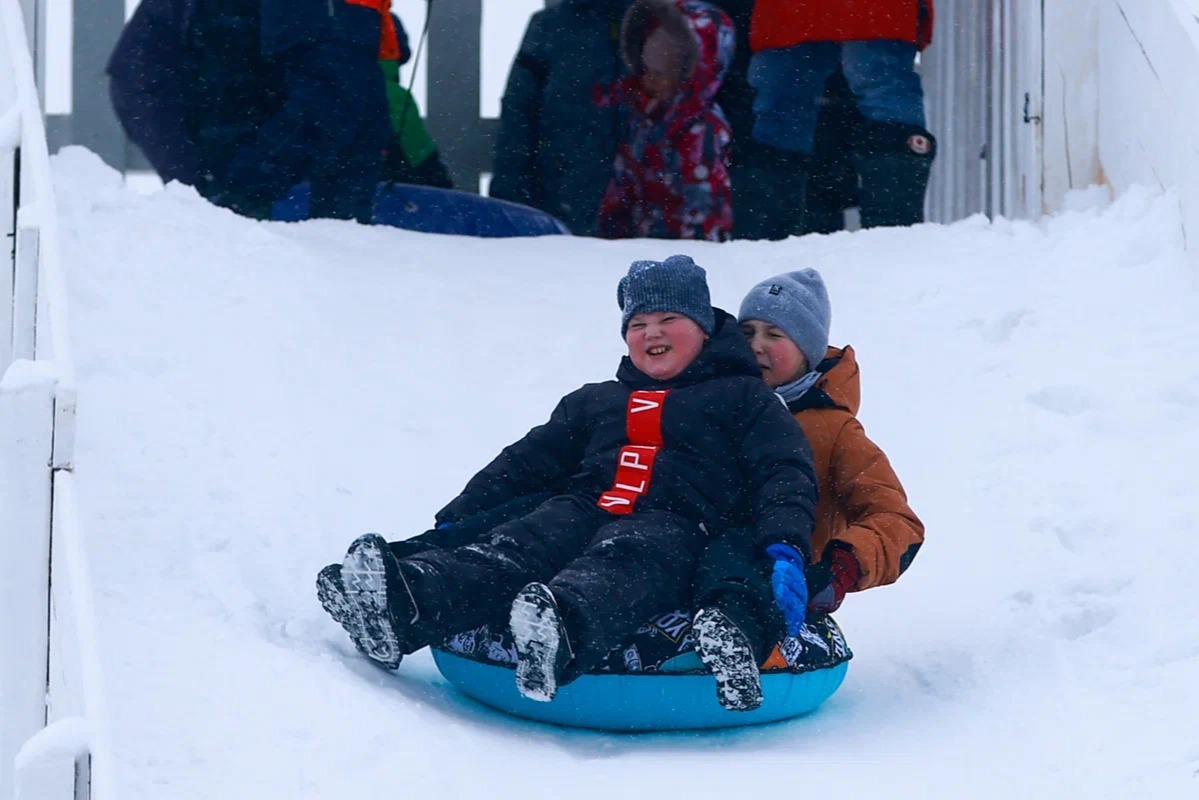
[331, 593]
[725, 650]
[537, 632]
[364, 576]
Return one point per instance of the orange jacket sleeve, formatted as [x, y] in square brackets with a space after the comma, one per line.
[882, 529]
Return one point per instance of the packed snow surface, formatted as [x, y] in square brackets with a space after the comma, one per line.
[252, 396]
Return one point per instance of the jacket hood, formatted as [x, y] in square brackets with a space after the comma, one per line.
[725, 354]
[840, 387]
[703, 32]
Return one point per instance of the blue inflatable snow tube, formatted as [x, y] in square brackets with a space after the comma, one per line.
[678, 697]
[430, 210]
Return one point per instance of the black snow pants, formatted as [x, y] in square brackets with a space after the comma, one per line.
[608, 573]
[733, 578]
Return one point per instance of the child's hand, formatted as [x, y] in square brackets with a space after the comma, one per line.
[829, 579]
[789, 585]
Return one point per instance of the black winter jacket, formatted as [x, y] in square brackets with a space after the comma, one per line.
[731, 453]
[243, 99]
[555, 146]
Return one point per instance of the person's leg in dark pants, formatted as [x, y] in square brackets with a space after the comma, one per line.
[736, 623]
[426, 597]
[635, 567]
[344, 185]
[789, 84]
[833, 179]
[462, 588]
[894, 151]
[470, 530]
[731, 577]
[344, 196]
[330, 588]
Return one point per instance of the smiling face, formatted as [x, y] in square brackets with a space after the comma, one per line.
[779, 358]
[663, 343]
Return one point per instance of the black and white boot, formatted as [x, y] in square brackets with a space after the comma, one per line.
[380, 603]
[726, 651]
[332, 594]
[542, 648]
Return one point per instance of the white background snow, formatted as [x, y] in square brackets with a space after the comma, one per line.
[254, 395]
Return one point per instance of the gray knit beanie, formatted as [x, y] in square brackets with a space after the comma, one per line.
[677, 284]
[797, 304]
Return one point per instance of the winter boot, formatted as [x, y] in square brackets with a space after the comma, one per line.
[542, 647]
[832, 187]
[379, 600]
[332, 594]
[894, 161]
[727, 652]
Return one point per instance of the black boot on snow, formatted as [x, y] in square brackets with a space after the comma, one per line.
[332, 594]
[894, 161]
[380, 602]
[542, 648]
[726, 651]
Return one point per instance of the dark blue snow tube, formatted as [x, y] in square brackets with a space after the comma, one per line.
[430, 210]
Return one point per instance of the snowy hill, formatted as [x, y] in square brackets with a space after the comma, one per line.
[253, 396]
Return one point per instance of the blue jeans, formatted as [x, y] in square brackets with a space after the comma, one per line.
[790, 81]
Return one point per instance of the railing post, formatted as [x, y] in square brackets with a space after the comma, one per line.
[26, 449]
[31, 14]
[25, 292]
[8, 243]
[54, 764]
[455, 57]
[97, 26]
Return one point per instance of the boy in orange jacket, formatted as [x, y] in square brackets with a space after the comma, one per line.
[866, 534]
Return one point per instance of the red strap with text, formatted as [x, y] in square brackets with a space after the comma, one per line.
[635, 464]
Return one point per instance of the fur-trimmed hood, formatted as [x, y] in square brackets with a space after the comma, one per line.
[704, 32]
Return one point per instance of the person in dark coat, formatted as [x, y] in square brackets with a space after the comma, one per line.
[555, 146]
[687, 439]
[244, 99]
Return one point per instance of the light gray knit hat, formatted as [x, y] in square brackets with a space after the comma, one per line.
[677, 284]
[797, 304]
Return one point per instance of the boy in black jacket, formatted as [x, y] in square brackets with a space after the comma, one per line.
[687, 438]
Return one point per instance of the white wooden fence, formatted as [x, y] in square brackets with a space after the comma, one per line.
[52, 735]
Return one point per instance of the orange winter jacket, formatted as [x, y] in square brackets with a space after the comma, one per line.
[862, 503]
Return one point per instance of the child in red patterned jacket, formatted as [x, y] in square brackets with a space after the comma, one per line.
[671, 176]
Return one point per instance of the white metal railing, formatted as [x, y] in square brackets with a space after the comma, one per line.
[52, 723]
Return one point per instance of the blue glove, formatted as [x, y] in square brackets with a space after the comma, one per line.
[441, 526]
[789, 585]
